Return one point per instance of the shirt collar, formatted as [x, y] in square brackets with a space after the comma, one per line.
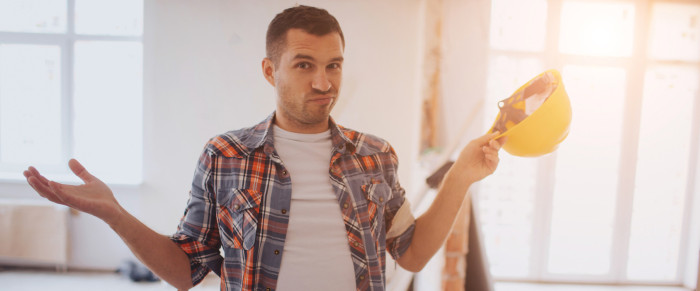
[261, 136]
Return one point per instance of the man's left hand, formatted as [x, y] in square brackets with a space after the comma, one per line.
[480, 157]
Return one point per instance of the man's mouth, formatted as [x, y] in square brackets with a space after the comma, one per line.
[321, 100]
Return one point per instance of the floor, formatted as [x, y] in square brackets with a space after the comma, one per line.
[508, 286]
[86, 281]
[14, 280]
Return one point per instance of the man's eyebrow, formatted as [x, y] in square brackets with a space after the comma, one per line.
[305, 57]
[308, 57]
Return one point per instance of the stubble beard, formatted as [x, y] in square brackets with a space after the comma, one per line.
[307, 114]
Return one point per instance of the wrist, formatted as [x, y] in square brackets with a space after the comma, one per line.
[458, 179]
[116, 218]
[460, 170]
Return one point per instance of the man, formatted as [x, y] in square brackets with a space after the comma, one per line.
[296, 202]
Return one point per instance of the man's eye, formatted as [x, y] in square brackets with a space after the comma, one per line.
[334, 66]
[303, 66]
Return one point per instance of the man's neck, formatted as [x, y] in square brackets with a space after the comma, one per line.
[297, 127]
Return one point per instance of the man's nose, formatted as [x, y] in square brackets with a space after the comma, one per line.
[321, 82]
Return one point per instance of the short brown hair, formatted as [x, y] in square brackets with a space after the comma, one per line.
[312, 20]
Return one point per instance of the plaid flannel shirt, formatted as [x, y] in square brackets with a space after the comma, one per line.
[240, 196]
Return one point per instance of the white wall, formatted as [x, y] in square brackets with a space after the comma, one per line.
[203, 77]
[465, 61]
[692, 265]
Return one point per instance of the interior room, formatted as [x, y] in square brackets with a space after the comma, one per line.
[134, 89]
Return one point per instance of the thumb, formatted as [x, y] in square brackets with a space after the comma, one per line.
[80, 171]
[486, 137]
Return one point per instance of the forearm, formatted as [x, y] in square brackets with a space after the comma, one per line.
[160, 254]
[433, 226]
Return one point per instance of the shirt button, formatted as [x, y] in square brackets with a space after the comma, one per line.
[284, 172]
[381, 199]
[236, 206]
[268, 289]
[362, 277]
[345, 205]
[277, 252]
[284, 211]
[356, 244]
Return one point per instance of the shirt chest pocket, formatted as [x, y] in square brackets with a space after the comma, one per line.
[238, 218]
[377, 192]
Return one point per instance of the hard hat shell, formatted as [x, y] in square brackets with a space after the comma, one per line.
[540, 132]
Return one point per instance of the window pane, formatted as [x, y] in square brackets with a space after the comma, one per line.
[108, 109]
[586, 172]
[507, 74]
[661, 177]
[518, 25]
[30, 105]
[45, 16]
[506, 215]
[596, 29]
[675, 32]
[109, 17]
[506, 208]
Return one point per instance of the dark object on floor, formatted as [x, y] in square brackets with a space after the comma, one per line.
[137, 272]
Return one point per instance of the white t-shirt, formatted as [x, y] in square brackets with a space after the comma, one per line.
[316, 253]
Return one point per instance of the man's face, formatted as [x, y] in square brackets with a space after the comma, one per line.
[307, 80]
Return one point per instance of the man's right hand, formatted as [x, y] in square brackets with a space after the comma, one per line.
[93, 197]
[158, 252]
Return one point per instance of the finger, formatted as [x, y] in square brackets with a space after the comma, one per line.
[31, 181]
[489, 150]
[38, 185]
[42, 185]
[43, 190]
[34, 172]
[502, 140]
[486, 137]
[492, 159]
[498, 143]
[80, 171]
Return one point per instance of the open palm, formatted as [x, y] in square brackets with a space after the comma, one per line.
[93, 197]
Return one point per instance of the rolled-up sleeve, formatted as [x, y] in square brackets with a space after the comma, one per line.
[400, 223]
[398, 245]
[198, 234]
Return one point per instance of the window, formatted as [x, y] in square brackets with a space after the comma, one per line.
[610, 205]
[71, 86]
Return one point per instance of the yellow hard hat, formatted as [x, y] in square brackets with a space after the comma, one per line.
[536, 118]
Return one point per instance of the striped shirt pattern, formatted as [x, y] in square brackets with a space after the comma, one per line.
[240, 198]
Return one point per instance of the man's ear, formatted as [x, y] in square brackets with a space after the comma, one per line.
[268, 68]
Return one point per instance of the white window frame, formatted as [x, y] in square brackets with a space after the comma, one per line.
[66, 41]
